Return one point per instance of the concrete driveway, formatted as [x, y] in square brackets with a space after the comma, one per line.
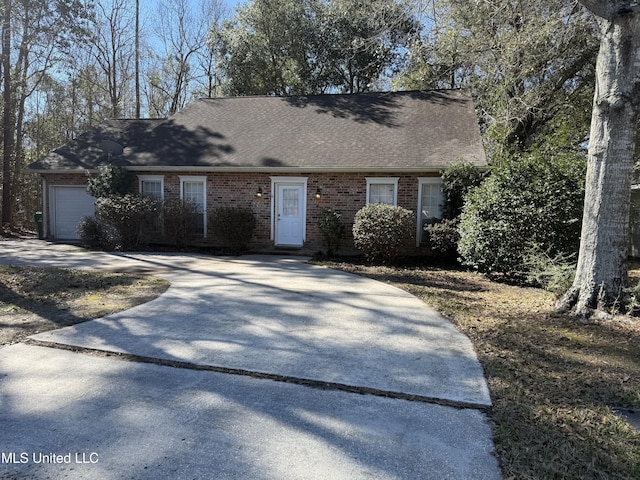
[248, 367]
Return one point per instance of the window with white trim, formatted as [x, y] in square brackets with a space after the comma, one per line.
[151, 185]
[430, 202]
[194, 190]
[382, 190]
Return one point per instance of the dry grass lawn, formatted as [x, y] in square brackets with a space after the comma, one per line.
[554, 380]
[34, 299]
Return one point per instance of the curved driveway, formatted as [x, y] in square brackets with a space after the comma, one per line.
[251, 320]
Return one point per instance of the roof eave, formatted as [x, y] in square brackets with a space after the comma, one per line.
[44, 171]
[276, 170]
[271, 170]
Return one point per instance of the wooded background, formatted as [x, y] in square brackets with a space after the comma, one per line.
[68, 64]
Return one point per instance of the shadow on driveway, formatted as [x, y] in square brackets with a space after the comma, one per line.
[274, 315]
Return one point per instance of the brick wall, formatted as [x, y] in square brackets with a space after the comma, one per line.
[344, 192]
[232, 190]
[66, 179]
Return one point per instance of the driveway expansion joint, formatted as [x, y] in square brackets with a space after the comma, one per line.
[317, 384]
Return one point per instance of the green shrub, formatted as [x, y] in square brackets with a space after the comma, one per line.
[441, 236]
[631, 300]
[442, 240]
[92, 233]
[123, 218]
[111, 180]
[179, 221]
[457, 180]
[528, 200]
[380, 231]
[332, 230]
[234, 226]
[553, 273]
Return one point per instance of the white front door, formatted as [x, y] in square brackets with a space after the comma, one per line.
[290, 215]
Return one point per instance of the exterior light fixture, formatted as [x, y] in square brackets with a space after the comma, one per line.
[318, 193]
[259, 193]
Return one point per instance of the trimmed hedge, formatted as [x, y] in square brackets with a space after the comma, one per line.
[179, 222]
[234, 226]
[119, 222]
[381, 231]
[442, 240]
[332, 230]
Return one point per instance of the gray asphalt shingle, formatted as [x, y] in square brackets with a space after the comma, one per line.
[411, 131]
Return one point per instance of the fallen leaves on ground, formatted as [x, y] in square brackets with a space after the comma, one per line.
[554, 380]
[36, 299]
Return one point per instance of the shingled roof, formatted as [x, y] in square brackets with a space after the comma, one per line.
[398, 131]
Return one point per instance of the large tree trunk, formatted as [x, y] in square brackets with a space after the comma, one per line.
[602, 262]
[7, 120]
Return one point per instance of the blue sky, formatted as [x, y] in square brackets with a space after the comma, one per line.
[231, 3]
[149, 8]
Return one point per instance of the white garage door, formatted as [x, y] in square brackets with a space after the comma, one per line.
[68, 206]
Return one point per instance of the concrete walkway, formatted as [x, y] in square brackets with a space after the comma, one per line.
[248, 367]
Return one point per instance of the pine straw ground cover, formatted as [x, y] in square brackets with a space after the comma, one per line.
[34, 299]
[554, 380]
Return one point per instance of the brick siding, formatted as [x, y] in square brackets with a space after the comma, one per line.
[344, 192]
[66, 179]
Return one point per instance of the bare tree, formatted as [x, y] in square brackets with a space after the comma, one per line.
[112, 47]
[207, 78]
[602, 261]
[137, 58]
[36, 37]
[183, 30]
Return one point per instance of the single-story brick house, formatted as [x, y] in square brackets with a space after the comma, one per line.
[285, 158]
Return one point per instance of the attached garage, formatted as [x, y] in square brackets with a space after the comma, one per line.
[344, 152]
[67, 205]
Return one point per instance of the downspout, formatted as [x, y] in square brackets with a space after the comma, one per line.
[45, 209]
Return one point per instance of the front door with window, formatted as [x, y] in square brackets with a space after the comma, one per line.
[290, 215]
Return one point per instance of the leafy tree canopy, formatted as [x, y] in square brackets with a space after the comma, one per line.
[287, 47]
[530, 65]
